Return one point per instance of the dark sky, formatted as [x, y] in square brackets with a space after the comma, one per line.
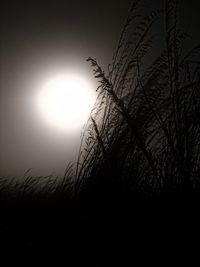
[39, 38]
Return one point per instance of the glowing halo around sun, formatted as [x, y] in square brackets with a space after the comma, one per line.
[66, 101]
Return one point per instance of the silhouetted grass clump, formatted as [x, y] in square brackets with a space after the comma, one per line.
[143, 134]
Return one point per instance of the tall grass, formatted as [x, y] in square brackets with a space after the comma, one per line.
[143, 136]
[144, 132]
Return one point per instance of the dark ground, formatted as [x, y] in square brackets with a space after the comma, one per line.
[157, 230]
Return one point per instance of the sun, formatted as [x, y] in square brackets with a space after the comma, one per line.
[65, 101]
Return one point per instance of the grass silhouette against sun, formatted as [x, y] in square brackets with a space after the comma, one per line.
[144, 130]
[143, 133]
[138, 164]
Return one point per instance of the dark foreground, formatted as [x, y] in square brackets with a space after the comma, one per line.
[158, 230]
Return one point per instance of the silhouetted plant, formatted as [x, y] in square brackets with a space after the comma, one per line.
[144, 130]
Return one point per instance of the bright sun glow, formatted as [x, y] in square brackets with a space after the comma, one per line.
[65, 101]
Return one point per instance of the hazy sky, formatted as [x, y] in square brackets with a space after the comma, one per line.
[39, 39]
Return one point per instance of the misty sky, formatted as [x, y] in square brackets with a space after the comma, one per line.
[39, 39]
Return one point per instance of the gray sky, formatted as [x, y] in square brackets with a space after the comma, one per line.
[39, 39]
